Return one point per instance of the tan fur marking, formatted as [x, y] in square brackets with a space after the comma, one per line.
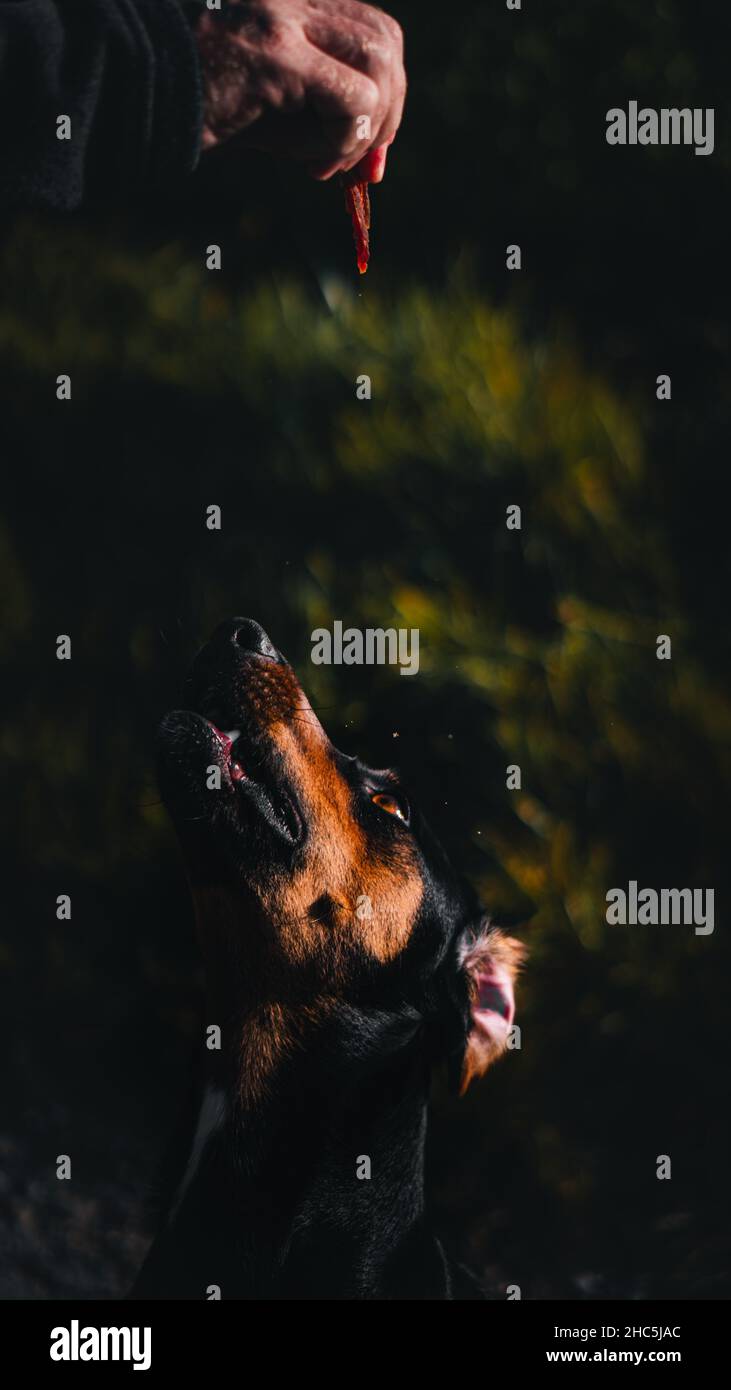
[261, 943]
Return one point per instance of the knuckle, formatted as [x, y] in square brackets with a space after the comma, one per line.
[341, 146]
[368, 99]
[387, 24]
[377, 54]
[395, 32]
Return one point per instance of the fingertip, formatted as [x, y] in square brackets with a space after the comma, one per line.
[379, 164]
[371, 168]
[322, 172]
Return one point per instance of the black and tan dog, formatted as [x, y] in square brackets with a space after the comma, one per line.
[344, 961]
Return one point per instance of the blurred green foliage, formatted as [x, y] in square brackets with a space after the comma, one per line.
[537, 647]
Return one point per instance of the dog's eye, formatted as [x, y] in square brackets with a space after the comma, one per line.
[391, 804]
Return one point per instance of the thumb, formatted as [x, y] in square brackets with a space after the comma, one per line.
[371, 168]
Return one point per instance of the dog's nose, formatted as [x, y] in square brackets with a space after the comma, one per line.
[251, 637]
[220, 661]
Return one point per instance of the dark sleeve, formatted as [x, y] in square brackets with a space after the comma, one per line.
[126, 74]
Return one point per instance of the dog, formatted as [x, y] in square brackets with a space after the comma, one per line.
[345, 961]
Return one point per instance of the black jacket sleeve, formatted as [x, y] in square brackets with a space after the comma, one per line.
[126, 74]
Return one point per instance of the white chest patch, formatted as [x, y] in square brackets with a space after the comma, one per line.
[210, 1120]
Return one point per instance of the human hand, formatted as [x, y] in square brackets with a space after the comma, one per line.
[319, 81]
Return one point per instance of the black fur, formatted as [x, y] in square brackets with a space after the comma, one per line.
[265, 1202]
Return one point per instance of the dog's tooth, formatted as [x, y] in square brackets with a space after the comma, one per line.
[233, 734]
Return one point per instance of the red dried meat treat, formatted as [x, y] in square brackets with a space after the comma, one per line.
[358, 203]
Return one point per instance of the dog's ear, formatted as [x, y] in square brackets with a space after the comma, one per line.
[490, 961]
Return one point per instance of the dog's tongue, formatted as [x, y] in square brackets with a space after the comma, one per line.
[227, 740]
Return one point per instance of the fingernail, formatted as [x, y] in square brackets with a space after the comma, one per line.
[378, 166]
[370, 168]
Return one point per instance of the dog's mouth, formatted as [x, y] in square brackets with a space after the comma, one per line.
[223, 767]
[253, 780]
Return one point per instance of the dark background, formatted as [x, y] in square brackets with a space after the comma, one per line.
[538, 648]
